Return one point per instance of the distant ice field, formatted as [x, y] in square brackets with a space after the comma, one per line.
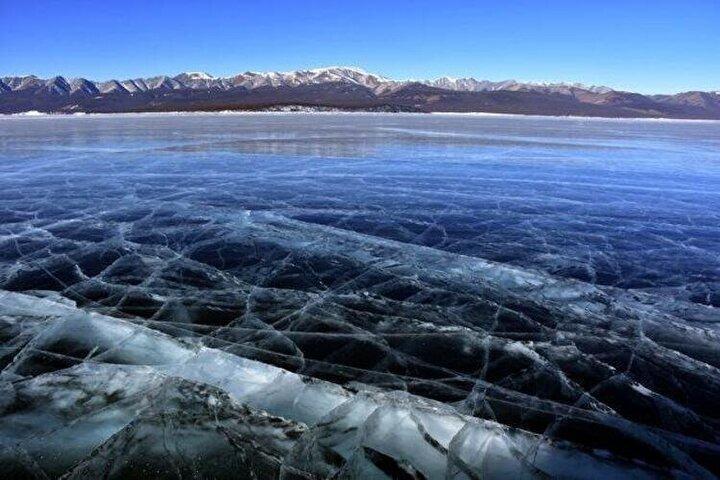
[627, 204]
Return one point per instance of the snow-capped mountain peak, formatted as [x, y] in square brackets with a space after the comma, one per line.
[470, 84]
[57, 86]
[84, 86]
[348, 72]
[198, 75]
[313, 76]
[111, 86]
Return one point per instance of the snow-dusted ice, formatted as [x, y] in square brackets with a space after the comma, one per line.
[358, 296]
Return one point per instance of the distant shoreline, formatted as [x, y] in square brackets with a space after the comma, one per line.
[45, 115]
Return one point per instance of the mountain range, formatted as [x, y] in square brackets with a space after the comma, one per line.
[343, 88]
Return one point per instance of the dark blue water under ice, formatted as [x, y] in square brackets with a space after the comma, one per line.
[389, 296]
[632, 204]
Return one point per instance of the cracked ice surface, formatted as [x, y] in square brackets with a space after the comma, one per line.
[300, 297]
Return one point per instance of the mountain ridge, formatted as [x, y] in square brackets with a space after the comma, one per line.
[344, 88]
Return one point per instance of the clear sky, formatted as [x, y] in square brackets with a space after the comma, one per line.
[651, 46]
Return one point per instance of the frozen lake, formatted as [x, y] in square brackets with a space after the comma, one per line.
[558, 276]
[632, 204]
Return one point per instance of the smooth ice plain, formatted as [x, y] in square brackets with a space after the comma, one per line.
[305, 296]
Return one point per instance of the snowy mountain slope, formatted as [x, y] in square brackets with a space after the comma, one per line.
[111, 86]
[474, 85]
[84, 86]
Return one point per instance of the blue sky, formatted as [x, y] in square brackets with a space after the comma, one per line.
[652, 46]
